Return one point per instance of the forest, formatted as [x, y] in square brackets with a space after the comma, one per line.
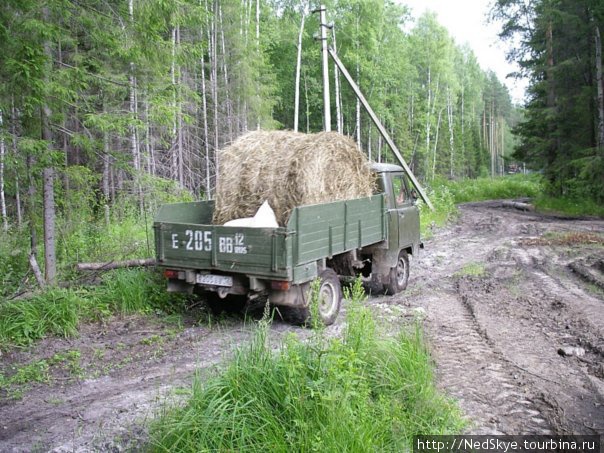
[108, 109]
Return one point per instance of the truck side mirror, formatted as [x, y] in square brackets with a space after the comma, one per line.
[414, 196]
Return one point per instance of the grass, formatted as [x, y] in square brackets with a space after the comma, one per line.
[445, 195]
[59, 311]
[472, 270]
[572, 207]
[21, 378]
[503, 187]
[55, 312]
[360, 392]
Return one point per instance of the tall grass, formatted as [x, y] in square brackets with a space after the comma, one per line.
[569, 206]
[55, 312]
[59, 311]
[360, 392]
[446, 194]
[503, 187]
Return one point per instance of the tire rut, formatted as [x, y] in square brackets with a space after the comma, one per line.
[492, 393]
[496, 337]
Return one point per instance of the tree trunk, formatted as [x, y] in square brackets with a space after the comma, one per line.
[451, 137]
[177, 148]
[50, 260]
[149, 146]
[31, 204]
[369, 131]
[115, 264]
[2, 197]
[133, 106]
[600, 88]
[298, 69]
[436, 143]
[258, 56]
[307, 105]
[225, 73]
[15, 154]
[463, 138]
[33, 263]
[336, 76]
[214, 81]
[204, 113]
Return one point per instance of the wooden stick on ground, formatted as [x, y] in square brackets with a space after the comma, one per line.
[115, 264]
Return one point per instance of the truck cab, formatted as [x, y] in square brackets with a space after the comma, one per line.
[389, 261]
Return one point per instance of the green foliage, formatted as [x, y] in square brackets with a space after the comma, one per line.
[59, 311]
[55, 312]
[504, 187]
[569, 206]
[444, 209]
[561, 132]
[358, 393]
[472, 270]
[445, 195]
[13, 262]
[137, 290]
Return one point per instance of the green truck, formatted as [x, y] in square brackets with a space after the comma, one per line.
[372, 237]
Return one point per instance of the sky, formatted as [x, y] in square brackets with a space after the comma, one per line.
[466, 21]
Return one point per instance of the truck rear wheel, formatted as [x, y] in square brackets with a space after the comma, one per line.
[329, 302]
[399, 274]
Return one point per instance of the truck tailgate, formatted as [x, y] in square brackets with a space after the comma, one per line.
[252, 251]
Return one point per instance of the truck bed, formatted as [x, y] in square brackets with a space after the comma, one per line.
[186, 239]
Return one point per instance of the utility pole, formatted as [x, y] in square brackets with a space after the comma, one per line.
[325, 57]
[380, 127]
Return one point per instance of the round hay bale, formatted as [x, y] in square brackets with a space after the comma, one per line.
[288, 169]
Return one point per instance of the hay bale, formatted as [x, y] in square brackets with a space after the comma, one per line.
[288, 169]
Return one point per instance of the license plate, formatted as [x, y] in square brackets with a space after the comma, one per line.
[215, 280]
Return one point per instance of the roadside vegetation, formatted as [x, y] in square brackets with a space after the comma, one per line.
[59, 311]
[84, 234]
[361, 392]
[446, 194]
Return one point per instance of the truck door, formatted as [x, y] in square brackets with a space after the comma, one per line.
[407, 212]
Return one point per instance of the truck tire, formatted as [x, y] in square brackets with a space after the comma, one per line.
[399, 274]
[330, 300]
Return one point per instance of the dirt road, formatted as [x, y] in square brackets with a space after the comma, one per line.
[513, 305]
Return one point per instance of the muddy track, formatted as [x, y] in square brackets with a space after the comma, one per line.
[515, 327]
[498, 338]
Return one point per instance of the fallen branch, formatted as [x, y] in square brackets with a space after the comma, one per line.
[518, 205]
[36, 269]
[115, 265]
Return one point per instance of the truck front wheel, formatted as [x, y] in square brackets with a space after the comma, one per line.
[330, 297]
[399, 274]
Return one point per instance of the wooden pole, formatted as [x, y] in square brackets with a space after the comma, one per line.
[380, 127]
